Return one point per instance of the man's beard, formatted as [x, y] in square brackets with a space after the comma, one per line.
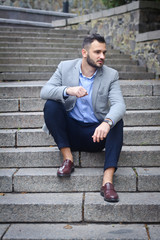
[92, 63]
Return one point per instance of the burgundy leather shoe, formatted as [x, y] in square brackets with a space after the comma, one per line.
[66, 169]
[109, 193]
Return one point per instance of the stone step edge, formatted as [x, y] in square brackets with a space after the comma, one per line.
[33, 180]
[41, 112]
[33, 104]
[138, 82]
[26, 75]
[131, 156]
[84, 231]
[55, 65]
[26, 23]
[29, 137]
[57, 207]
[50, 149]
[31, 29]
[127, 128]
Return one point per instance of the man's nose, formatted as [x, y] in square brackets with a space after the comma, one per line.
[102, 56]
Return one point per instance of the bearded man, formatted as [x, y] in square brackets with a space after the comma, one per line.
[84, 110]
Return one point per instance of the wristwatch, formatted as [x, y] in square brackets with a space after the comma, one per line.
[109, 122]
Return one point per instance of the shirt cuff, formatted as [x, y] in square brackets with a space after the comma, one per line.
[65, 95]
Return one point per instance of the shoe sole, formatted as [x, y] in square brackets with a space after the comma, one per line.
[65, 175]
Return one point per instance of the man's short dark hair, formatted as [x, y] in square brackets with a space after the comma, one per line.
[89, 39]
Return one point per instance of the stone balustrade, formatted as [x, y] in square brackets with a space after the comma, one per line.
[129, 28]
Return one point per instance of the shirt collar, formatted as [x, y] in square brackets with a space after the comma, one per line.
[90, 78]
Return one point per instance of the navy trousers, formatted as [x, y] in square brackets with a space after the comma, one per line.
[68, 132]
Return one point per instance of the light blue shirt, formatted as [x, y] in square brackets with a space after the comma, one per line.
[83, 110]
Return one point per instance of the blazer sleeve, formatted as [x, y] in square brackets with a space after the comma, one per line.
[117, 104]
[53, 89]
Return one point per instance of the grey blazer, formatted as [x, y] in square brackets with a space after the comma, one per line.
[107, 98]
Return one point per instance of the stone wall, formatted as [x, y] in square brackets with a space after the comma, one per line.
[75, 6]
[120, 26]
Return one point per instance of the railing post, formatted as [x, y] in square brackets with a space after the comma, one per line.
[66, 6]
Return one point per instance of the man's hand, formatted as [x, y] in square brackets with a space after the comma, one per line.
[76, 91]
[101, 132]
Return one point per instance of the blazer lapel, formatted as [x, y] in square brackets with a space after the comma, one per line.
[75, 75]
[96, 85]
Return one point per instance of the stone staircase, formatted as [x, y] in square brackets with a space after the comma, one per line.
[34, 203]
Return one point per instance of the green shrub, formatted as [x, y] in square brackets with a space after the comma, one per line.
[116, 3]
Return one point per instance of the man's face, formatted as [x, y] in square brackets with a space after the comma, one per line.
[96, 54]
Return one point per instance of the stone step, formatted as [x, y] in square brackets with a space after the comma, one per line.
[21, 89]
[11, 105]
[26, 34]
[25, 76]
[36, 137]
[41, 50]
[37, 157]
[20, 29]
[41, 45]
[37, 104]
[41, 55]
[50, 45]
[145, 103]
[148, 179]
[33, 76]
[31, 89]
[53, 61]
[45, 207]
[36, 119]
[54, 52]
[6, 177]
[87, 207]
[133, 207]
[41, 39]
[79, 231]
[136, 75]
[45, 50]
[142, 118]
[51, 68]
[21, 120]
[82, 180]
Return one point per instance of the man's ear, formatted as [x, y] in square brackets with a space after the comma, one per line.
[84, 52]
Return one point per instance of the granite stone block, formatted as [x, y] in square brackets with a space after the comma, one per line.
[18, 91]
[31, 104]
[82, 180]
[141, 136]
[79, 231]
[130, 89]
[34, 137]
[8, 105]
[139, 103]
[148, 179]
[142, 118]
[33, 157]
[132, 207]
[7, 138]
[130, 156]
[21, 120]
[44, 207]
[3, 228]
[6, 176]
[154, 231]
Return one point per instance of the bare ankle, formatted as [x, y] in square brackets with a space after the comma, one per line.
[66, 153]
